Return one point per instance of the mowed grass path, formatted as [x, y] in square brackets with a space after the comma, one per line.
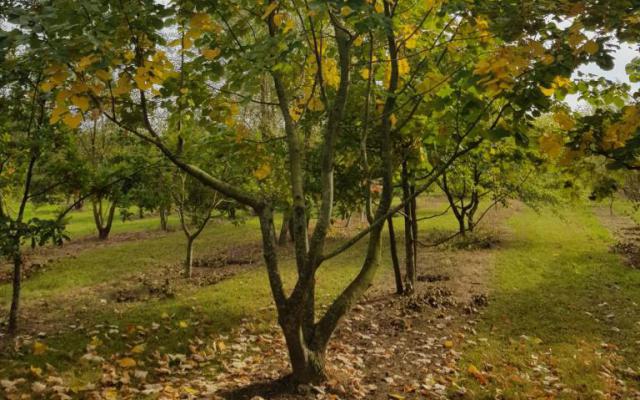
[564, 314]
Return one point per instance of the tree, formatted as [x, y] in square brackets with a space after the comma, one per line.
[31, 156]
[126, 71]
[195, 203]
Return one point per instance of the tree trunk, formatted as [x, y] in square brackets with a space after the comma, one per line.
[284, 229]
[462, 229]
[394, 256]
[164, 217]
[188, 262]
[103, 227]
[611, 205]
[15, 299]
[414, 226]
[140, 212]
[307, 365]
[410, 274]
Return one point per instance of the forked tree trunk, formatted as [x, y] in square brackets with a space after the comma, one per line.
[103, 226]
[393, 249]
[307, 364]
[458, 209]
[15, 298]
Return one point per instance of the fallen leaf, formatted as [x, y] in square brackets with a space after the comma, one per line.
[39, 348]
[127, 362]
[138, 349]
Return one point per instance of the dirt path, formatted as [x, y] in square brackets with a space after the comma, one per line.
[626, 232]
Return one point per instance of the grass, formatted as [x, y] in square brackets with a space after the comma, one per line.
[71, 289]
[557, 292]
[81, 222]
[562, 307]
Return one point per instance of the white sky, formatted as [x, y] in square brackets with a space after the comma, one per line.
[622, 57]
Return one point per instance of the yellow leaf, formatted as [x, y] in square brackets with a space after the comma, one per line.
[35, 370]
[379, 7]
[210, 54]
[57, 113]
[86, 61]
[138, 349]
[103, 75]
[72, 120]
[475, 372]
[95, 341]
[141, 79]
[127, 362]
[393, 119]
[202, 22]
[123, 86]
[547, 91]
[221, 346]
[269, 9]
[288, 25]
[262, 172]
[110, 394]
[551, 145]
[295, 113]
[190, 390]
[315, 104]
[564, 120]
[183, 324]
[81, 102]
[591, 47]
[46, 86]
[403, 67]
[396, 396]
[561, 82]
[448, 344]
[39, 348]
[364, 73]
[346, 11]
[358, 41]
[278, 18]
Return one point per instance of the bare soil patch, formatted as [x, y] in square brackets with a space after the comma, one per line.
[625, 231]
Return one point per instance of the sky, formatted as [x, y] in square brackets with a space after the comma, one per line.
[622, 57]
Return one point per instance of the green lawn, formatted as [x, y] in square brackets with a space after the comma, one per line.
[563, 309]
[81, 222]
[69, 284]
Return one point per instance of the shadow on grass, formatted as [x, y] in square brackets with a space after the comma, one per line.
[265, 389]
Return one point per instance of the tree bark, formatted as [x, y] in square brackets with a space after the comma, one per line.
[394, 256]
[284, 228]
[188, 262]
[414, 226]
[15, 298]
[164, 219]
[103, 227]
[410, 271]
